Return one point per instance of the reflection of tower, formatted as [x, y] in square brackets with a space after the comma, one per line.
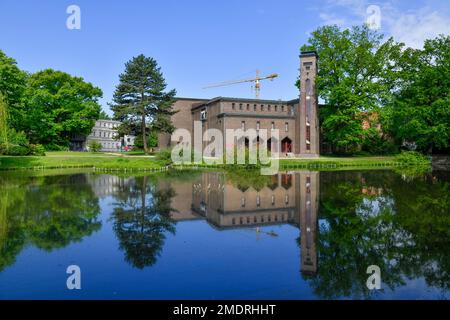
[307, 131]
[308, 205]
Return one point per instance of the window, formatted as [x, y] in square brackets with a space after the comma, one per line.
[286, 199]
[276, 108]
[203, 115]
[262, 107]
[308, 138]
[273, 125]
[233, 106]
[243, 125]
[273, 200]
[269, 107]
[240, 106]
[248, 107]
[286, 127]
[257, 125]
[254, 107]
[258, 201]
[282, 108]
[242, 202]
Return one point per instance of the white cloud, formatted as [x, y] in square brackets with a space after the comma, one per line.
[332, 19]
[412, 27]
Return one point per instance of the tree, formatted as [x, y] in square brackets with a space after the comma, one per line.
[104, 116]
[355, 77]
[59, 107]
[152, 140]
[3, 121]
[140, 100]
[421, 108]
[12, 86]
[95, 146]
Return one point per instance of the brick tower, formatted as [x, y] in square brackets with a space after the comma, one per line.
[307, 122]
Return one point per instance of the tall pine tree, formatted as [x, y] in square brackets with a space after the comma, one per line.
[140, 100]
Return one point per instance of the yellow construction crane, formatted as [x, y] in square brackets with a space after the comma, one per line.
[256, 80]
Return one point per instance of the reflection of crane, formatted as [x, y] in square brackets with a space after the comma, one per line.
[256, 80]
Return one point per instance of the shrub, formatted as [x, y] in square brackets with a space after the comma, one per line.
[152, 140]
[377, 145]
[164, 155]
[37, 150]
[16, 150]
[95, 146]
[412, 157]
[17, 138]
[18, 145]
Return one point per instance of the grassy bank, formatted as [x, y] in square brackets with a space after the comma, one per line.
[138, 162]
[332, 163]
[65, 160]
[326, 163]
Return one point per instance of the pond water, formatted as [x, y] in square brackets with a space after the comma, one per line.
[211, 235]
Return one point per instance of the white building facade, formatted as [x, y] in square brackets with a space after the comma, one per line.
[105, 133]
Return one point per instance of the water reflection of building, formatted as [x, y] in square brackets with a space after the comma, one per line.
[226, 204]
[106, 185]
[285, 198]
[308, 193]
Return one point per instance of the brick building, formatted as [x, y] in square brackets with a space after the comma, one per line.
[296, 120]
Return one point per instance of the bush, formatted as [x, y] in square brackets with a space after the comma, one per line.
[152, 141]
[17, 138]
[164, 155]
[95, 146]
[375, 144]
[37, 150]
[412, 157]
[18, 145]
[16, 150]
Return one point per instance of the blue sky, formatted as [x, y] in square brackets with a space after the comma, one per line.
[196, 42]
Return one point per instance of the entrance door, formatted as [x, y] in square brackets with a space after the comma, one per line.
[286, 145]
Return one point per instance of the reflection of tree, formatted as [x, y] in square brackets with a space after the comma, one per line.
[377, 218]
[65, 210]
[423, 210]
[48, 212]
[141, 223]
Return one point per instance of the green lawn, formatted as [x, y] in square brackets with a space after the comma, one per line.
[116, 161]
[331, 163]
[81, 160]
